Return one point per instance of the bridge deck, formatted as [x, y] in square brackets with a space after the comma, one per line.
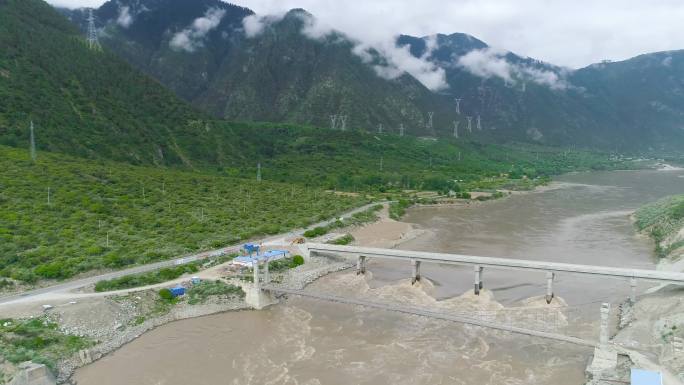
[430, 314]
[505, 263]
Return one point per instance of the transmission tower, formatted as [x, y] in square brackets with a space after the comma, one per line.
[456, 123]
[458, 105]
[380, 128]
[479, 123]
[333, 122]
[259, 172]
[343, 120]
[33, 144]
[470, 124]
[93, 43]
[429, 121]
[401, 129]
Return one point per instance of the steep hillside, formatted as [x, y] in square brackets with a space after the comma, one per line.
[642, 96]
[278, 75]
[283, 70]
[87, 102]
[626, 106]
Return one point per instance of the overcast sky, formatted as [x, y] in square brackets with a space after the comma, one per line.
[572, 33]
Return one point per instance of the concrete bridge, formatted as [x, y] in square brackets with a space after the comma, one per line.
[416, 258]
[262, 293]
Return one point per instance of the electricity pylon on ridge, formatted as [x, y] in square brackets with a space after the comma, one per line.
[93, 42]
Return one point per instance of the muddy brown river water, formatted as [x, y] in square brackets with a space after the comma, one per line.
[583, 218]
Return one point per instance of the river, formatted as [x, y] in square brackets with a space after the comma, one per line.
[581, 218]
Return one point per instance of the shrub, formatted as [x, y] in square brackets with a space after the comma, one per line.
[165, 294]
[297, 260]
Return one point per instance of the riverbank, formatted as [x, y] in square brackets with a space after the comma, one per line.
[655, 323]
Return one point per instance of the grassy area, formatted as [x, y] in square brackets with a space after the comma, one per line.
[200, 293]
[286, 263]
[152, 278]
[37, 340]
[345, 240]
[398, 209]
[111, 215]
[356, 219]
[661, 220]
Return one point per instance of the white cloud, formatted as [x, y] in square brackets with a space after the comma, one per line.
[125, 19]
[254, 24]
[398, 59]
[192, 38]
[491, 62]
[567, 33]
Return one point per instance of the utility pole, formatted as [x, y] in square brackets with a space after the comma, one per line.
[470, 123]
[479, 123]
[456, 123]
[33, 144]
[259, 172]
[401, 129]
[380, 128]
[429, 122]
[458, 105]
[93, 42]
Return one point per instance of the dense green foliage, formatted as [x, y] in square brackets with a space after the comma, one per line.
[200, 293]
[355, 220]
[87, 102]
[398, 209]
[165, 294]
[286, 263]
[145, 279]
[661, 220]
[37, 340]
[146, 214]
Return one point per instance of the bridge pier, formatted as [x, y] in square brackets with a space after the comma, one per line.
[415, 277]
[550, 276]
[604, 335]
[267, 276]
[255, 296]
[633, 285]
[361, 265]
[478, 279]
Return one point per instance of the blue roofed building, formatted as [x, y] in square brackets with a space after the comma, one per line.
[271, 255]
[646, 377]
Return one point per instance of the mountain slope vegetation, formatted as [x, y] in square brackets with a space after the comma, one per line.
[287, 73]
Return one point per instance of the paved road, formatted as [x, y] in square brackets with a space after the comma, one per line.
[79, 283]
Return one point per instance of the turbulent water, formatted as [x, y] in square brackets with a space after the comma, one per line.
[584, 218]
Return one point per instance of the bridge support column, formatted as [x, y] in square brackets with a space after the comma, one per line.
[633, 285]
[255, 270]
[255, 295]
[550, 276]
[478, 279]
[604, 336]
[267, 276]
[415, 277]
[361, 265]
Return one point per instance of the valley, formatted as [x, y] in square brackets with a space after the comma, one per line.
[167, 165]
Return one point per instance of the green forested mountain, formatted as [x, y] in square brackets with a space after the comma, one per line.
[86, 102]
[284, 75]
[279, 75]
